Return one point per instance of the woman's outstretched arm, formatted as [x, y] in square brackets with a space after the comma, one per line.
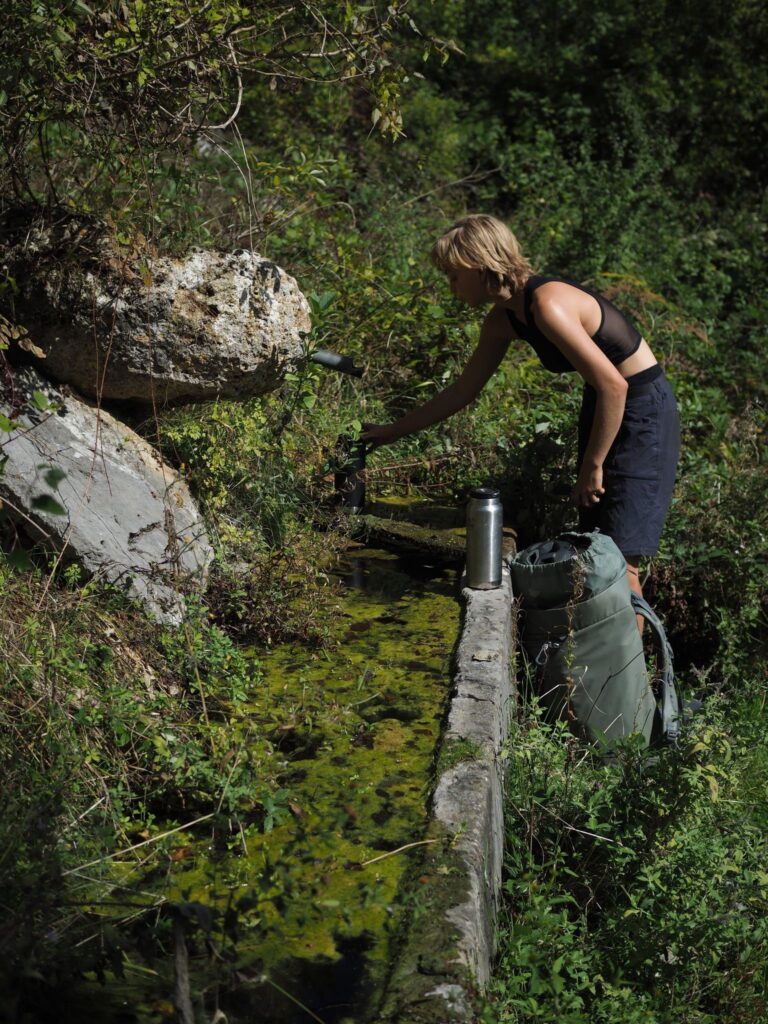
[495, 336]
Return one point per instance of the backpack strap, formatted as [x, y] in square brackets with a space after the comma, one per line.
[670, 705]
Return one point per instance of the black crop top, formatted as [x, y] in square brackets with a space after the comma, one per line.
[615, 336]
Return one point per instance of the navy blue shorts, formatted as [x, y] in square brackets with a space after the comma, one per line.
[639, 470]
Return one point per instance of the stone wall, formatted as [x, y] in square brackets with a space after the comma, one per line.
[446, 955]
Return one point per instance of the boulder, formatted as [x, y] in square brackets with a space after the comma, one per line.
[122, 322]
[128, 518]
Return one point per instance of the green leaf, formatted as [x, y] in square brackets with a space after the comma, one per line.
[41, 401]
[320, 301]
[45, 503]
[19, 560]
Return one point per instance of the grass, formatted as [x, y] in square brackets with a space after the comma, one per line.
[637, 891]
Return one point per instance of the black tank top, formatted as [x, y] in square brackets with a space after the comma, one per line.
[615, 336]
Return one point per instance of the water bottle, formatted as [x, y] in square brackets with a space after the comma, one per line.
[348, 478]
[484, 522]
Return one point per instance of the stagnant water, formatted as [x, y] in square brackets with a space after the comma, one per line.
[316, 895]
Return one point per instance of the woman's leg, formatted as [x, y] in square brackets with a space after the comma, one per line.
[633, 576]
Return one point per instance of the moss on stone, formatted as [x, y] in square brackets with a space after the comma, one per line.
[454, 750]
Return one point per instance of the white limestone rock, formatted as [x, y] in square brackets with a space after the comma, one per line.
[120, 323]
[129, 518]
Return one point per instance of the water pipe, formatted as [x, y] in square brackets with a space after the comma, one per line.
[333, 361]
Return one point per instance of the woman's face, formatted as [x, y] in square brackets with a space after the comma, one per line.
[468, 285]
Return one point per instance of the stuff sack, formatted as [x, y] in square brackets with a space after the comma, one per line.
[578, 629]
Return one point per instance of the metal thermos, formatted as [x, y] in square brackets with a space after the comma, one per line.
[348, 479]
[484, 522]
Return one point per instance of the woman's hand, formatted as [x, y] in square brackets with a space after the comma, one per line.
[495, 335]
[376, 434]
[589, 486]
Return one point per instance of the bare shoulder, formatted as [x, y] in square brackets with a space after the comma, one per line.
[555, 299]
[496, 326]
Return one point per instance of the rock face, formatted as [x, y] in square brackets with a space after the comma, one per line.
[129, 519]
[121, 324]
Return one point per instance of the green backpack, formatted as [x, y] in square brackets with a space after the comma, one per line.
[578, 628]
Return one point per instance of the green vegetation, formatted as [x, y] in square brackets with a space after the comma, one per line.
[456, 751]
[626, 147]
[258, 794]
[637, 892]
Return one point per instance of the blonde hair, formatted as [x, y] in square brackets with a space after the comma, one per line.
[482, 242]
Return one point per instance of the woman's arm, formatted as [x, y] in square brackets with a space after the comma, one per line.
[495, 336]
[558, 313]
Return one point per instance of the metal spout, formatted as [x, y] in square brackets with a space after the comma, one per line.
[333, 361]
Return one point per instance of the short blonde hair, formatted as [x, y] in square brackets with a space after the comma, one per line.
[482, 242]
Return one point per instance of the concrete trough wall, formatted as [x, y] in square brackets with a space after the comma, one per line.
[445, 961]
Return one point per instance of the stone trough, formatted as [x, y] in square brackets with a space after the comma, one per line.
[445, 962]
[446, 954]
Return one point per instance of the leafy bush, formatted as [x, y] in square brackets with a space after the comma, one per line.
[636, 891]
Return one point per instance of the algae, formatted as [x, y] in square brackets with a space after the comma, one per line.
[302, 900]
[445, 544]
[420, 526]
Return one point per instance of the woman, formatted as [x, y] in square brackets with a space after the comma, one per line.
[629, 430]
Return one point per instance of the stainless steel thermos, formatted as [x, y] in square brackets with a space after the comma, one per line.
[349, 480]
[484, 523]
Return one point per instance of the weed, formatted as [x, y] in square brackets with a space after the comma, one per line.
[455, 751]
[635, 891]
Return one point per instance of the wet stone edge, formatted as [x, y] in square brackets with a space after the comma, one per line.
[446, 956]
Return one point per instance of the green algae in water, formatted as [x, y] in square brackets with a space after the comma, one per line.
[352, 734]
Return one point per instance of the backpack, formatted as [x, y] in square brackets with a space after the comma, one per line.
[579, 631]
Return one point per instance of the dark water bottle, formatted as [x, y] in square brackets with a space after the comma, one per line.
[484, 533]
[349, 477]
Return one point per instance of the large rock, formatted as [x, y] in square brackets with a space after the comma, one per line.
[128, 518]
[123, 323]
